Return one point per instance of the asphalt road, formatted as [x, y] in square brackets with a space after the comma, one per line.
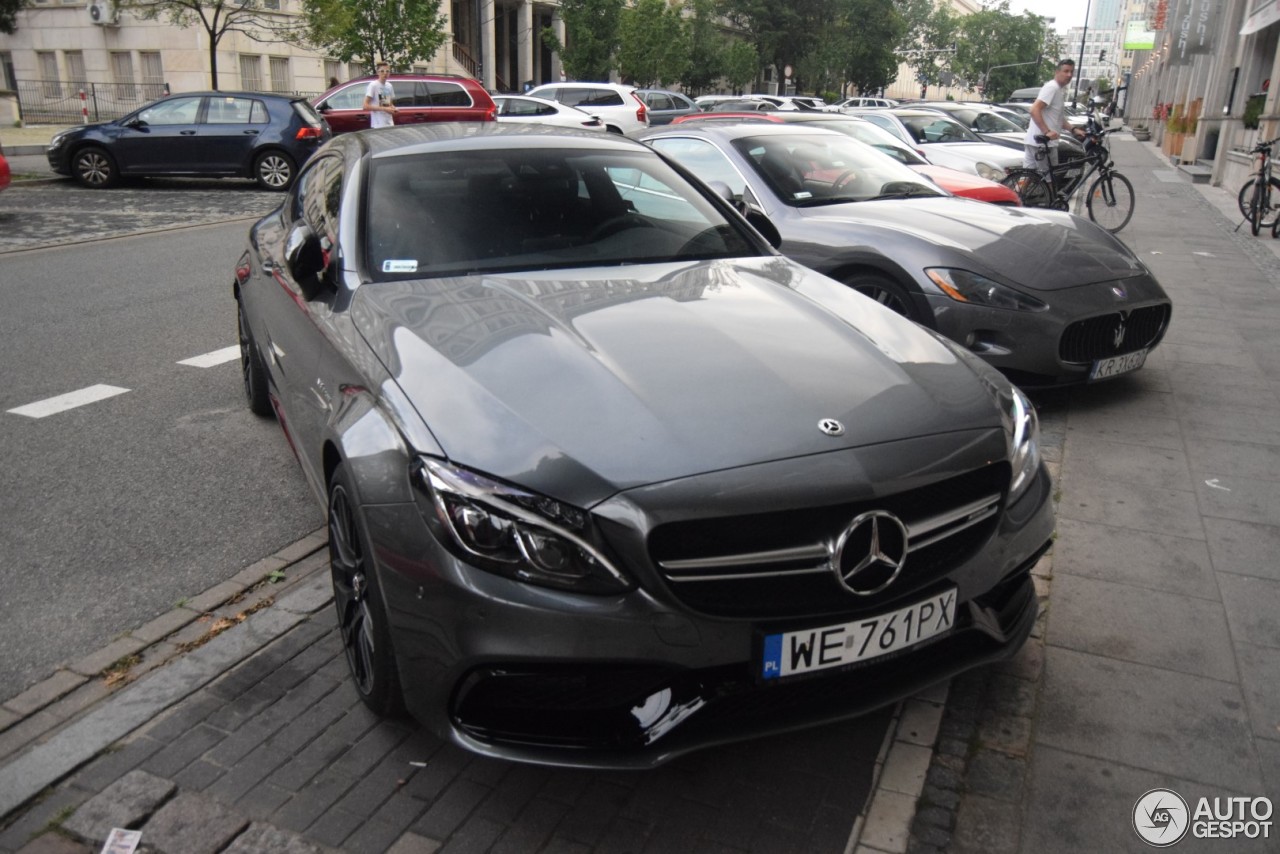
[117, 509]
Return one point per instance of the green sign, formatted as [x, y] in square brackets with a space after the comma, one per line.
[1138, 37]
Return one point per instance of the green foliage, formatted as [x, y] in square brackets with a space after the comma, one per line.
[400, 32]
[741, 64]
[994, 37]
[653, 46]
[1252, 117]
[706, 47]
[591, 30]
[872, 29]
[9, 15]
[781, 32]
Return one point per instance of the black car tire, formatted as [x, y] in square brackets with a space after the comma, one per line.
[884, 291]
[94, 168]
[274, 170]
[251, 367]
[362, 617]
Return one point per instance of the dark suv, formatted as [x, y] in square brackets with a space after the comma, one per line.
[418, 98]
[220, 134]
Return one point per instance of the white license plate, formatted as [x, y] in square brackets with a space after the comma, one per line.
[790, 653]
[1117, 365]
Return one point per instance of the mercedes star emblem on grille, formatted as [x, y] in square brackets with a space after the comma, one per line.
[831, 427]
[870, 553]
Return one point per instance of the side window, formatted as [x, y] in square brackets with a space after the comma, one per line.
[702, 159]
[350, 98]
[573, 97]
[658, 101]
[318, 200]
[446, 94]
[259, 115]
[230, 111]
[178, 111]
[601, 98]
[407, 93]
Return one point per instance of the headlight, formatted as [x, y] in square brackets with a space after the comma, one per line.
[1022, 433]
[986, 170]
[518, 534]
[963, 286]
[58, 139]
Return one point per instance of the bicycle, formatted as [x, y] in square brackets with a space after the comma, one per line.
[1110, 198]
[1259, 200]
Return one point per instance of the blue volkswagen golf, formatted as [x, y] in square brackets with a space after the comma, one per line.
[216, 134]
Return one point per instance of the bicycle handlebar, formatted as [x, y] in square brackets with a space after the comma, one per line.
[1265, 146]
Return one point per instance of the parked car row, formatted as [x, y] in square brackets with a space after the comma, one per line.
[631, 447]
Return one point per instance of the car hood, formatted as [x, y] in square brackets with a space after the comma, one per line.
[988, 152]
[582, 383]
[1037, 249]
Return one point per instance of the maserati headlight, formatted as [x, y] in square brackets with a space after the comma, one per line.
[514, 533]
[963, 286]
[986, 170]
[1022, 433]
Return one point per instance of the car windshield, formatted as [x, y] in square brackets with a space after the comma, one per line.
[483, 211]
[937, 128]
[984, 121]
[881, 139]
[826, 169]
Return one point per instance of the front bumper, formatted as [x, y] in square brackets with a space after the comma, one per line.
[634, 680]
[1042, 349]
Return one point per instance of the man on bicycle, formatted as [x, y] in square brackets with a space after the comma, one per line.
[1048, 118]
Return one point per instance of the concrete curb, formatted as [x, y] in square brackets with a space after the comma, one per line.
[58, 724]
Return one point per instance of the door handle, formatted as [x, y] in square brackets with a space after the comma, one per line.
[187, 132]
[251, 133]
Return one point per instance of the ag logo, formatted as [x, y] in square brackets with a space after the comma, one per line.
[1161, 817]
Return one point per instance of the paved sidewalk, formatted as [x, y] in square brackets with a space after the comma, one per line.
[229, 725]
[1160, 663]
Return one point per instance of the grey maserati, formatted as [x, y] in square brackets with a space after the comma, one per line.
[607, 478]
[1048, 298]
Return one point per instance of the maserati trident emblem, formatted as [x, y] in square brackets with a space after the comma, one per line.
[870, 553]
[831, 427]
[1119, 337]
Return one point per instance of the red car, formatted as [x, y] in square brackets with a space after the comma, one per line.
[4, 170]
[953, 181]
[418, 98]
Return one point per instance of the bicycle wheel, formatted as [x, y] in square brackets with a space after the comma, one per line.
[1271, 214]
[1030, 186]
[1110, 201]
[1257, 207]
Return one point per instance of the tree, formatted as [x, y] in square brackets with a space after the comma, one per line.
[994, 37]
[591, 30]
[741, 64]
[782, 33]
[706, 47]
[216, 18]
[9, 15]
[399, 32]
[874, 28]
[653, 48]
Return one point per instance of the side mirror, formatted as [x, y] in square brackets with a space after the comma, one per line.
[136, 124]
[305, 260]
[721, 189]
[762, 224]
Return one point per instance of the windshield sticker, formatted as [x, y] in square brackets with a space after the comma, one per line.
[802, 195]
[391, 266]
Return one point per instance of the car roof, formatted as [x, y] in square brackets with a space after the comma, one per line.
[459, 136]
[225, 93]
[735, 130]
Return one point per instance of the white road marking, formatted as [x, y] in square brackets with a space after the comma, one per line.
[1214, 483]
[217, 357]
[70, 400]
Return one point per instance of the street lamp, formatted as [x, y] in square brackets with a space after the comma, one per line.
[1083, 35]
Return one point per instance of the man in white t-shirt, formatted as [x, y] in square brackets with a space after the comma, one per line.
[380, 99]
[1048, 118]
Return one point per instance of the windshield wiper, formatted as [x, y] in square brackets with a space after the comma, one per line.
[918, 193]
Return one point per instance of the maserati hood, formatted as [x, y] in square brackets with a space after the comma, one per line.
[582, 383]
[1037, 249]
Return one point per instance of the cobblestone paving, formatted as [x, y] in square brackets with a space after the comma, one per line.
[57, 213]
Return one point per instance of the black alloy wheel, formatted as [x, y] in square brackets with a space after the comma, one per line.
[884, 291]
[94, 168]
[362, 619]
[251, 368]
[273, 170]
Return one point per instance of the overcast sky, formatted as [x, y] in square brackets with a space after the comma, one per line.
[1068, 13]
